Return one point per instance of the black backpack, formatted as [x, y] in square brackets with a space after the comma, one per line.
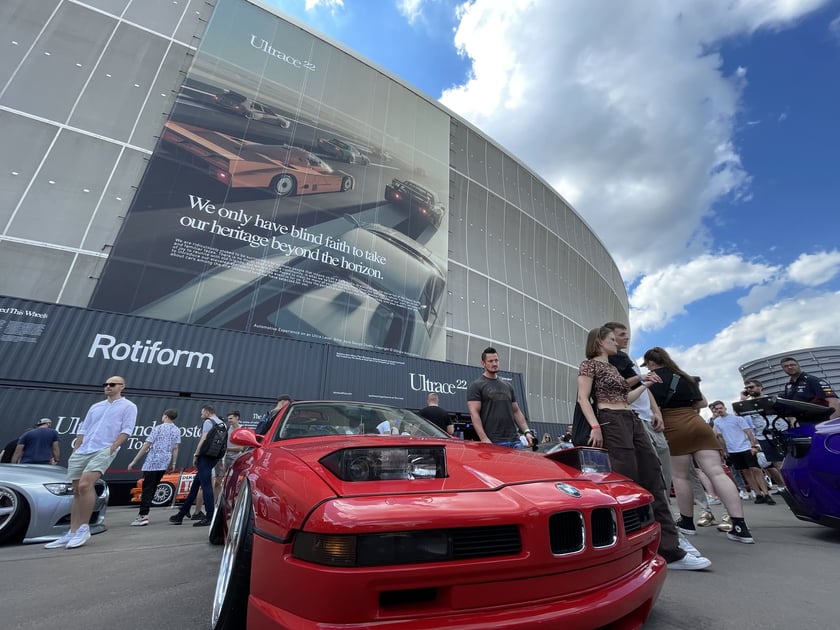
[215, 444]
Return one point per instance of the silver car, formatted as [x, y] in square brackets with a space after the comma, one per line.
[35, 503]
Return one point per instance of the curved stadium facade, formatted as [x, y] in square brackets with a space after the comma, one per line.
[221, 166]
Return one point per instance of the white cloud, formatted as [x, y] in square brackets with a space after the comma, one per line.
[815, 269]
[309, 5]
[625, 110]
[411, 9]
[773, 330]
[834, 28]
[663, 294]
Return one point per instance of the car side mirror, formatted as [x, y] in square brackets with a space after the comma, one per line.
[244, 436]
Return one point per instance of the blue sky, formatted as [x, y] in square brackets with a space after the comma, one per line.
[700, 141]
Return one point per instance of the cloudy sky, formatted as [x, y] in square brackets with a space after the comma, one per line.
[700, 140]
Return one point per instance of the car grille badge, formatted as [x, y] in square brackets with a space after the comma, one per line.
[570, 490]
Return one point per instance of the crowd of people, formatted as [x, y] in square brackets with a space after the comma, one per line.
[651, 426]
[648, 422]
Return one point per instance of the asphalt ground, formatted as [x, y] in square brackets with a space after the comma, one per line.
[162, 576]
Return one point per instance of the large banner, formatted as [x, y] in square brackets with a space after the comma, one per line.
[52, 345]
[295, 192]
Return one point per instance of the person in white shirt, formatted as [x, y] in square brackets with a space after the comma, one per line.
[106, 426]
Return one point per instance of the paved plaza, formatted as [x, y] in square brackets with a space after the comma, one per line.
[163, 576]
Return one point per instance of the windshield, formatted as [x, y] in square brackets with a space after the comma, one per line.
[313, 419]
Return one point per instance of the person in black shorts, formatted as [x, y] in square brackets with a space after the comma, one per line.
[740, 446]
[753, 388]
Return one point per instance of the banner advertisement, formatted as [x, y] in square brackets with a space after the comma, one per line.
[67, 410]
[55, 345]
[295, 192]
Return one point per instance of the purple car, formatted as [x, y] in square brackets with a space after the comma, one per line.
[812, 455]
[811, 470]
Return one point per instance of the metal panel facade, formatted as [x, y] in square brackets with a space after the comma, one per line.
[523, 272]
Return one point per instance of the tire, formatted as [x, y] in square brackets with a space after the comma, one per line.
[163, 494]
[14, 516]
[216, 536]
[346, 183]
[233, 584]
[284, 185]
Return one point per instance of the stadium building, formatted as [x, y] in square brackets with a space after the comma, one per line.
[219, 203]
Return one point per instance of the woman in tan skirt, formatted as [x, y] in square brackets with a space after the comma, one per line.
[679, 397]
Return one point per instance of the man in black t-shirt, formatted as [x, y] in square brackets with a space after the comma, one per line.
[436, 414]
[493, 409]
[808, 388]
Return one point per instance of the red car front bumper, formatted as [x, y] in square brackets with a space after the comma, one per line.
[578, 599]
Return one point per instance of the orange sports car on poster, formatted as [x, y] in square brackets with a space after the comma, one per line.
[283, 169]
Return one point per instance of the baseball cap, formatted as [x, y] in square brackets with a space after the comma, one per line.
[284, 397]
[43, 421]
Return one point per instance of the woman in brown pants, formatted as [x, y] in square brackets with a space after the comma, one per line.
[619, 430]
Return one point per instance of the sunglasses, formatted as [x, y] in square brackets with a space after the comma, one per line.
[111, 384]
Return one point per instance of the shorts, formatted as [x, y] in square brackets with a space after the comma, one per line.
[743, 460]
[98, 461]
[770, 451]
[222, 466]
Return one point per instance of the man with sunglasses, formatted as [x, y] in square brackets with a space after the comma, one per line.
[106, 426]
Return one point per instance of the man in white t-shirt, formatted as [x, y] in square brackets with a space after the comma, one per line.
[106, 426]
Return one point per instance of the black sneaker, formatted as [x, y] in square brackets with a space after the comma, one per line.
[686, 528]
[740, 533]
[176, 519]
[769, 500]
[761, 499]
[203, 522]
[198, 516]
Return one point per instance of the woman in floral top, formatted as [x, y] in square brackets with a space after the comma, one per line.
[619, 430]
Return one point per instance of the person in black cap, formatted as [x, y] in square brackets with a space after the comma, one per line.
[38, 446]
[282, 402]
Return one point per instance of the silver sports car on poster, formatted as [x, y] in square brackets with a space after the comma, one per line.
[35, 503]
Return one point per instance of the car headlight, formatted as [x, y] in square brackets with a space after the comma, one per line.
[60, 489]
[588, 460]
[370, 550]
[386, 463]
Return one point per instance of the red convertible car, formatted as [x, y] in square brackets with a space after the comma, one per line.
[328, 524]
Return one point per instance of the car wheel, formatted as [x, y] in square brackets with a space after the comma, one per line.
[346, 184]
[14, 516]
[216, 535]
[284, 185]
[163, 494]
[233, 585]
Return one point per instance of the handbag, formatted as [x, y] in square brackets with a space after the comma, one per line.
[580, 425]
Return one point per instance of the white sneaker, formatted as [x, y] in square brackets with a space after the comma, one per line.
[689, 548]
[712, 500]
[60, 543]
[752, 494]
[140, 521]
[79, 538]
[690, 563]
[744, 495]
